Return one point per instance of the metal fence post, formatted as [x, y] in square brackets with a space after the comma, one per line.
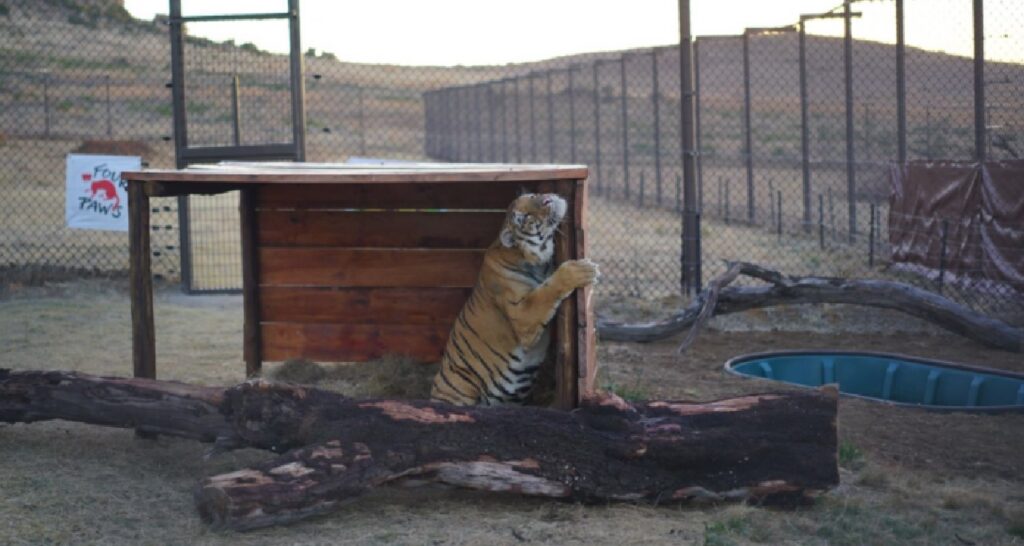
[429, 123]
[640, 198]
[551, 118]
[504, 120]
[699, 148]
[597, 129]
[361, 120]
[110, 122]
[492, 136]
[515, 109]
[461, 111]
[778, 217]
[625, 123]
[728, 205]
[901, 87]
[46, 105]
[805, 145]
[980, 131]
[467, 123]
[439, 113]
[236, 115]
[572, 115]
[690, 256]
[871, 237]
[821, 221]
[296, 71]
[448, 137]
[679, 188]
[533, 118]
[851, 171]
[656, 98]
[433, 105]
[177, 38]
[481, 98]
[748, 141]
[942, 254]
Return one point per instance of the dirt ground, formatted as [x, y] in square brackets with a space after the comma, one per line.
[908, 476]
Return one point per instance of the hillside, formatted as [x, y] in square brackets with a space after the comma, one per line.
[74, 54]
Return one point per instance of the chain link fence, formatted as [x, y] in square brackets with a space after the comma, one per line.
[798, 129]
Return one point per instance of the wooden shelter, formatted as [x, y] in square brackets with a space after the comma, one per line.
[353, 262]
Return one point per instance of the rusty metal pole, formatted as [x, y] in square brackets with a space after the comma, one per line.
[901, 86]
[110, 123]
[572, 115]
[624, 124]
[362, 120]
[597, 129]
[533, 117]
[748, 141]
[980, 131]
[805, 146]
[656, 98]
[551, 119]
[504, 120]
[699, 156]
[690, 257]
[297, 68]
[236, 114]
[851, 171]
[492, 124]
[515, 109]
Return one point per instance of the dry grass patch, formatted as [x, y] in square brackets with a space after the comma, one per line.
[909, 477]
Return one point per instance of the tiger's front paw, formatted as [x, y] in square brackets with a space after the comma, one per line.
[578, 273]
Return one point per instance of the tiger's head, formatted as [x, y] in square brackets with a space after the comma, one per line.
[531, 223]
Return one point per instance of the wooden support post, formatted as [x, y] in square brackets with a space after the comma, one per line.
[586, 333]
[140, 283]
[252, 348]
[566, 396]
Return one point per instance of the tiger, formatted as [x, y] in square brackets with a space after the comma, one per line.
[502, 333]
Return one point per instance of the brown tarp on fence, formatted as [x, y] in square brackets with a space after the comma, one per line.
[979, 206]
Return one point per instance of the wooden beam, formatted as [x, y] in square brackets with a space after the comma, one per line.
[140, 283]
[369, 267]
[252, 346]
[566, 359]
[586, 343]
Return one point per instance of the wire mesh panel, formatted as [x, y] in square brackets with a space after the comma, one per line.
[940, 83]
[798, 134]
[1004, 82]
[84, 82]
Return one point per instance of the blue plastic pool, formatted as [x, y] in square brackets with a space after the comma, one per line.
[891, 378]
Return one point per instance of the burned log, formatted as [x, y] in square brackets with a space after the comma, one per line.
[775, 448]
[794, 290]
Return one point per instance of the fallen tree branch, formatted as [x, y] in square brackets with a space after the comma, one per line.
[707, 310]
[793, 290]
[778, 448]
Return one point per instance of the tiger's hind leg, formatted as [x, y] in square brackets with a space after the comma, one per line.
[453, 387]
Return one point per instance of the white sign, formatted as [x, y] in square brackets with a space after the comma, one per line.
[95, 196]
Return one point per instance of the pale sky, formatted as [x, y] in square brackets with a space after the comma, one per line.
[473, 32]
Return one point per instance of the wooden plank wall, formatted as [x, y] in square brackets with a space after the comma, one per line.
[354, 272]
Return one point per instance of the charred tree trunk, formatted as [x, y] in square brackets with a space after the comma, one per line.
[792, 290]
[777, 448]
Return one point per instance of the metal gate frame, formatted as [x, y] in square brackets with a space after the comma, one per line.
[185, 154]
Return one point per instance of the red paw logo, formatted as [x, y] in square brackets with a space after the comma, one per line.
[100, 196]
[104, 189]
